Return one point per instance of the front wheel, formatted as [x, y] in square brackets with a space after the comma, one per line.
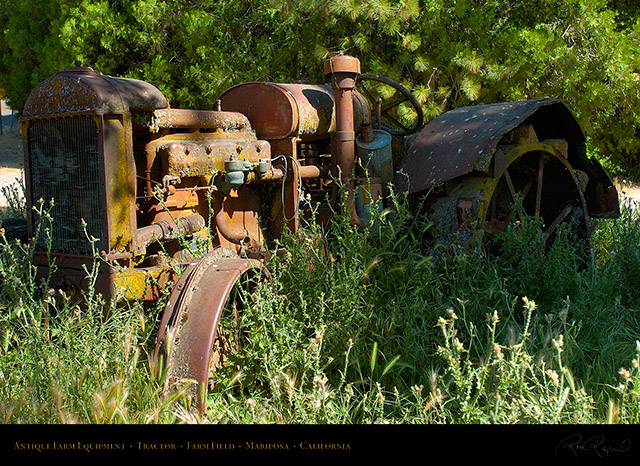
[200, 329]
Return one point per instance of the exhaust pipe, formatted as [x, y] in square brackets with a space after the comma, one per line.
[342, 71]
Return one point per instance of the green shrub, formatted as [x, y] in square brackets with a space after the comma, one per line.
[451, 53]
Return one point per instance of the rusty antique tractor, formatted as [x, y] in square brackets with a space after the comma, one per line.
[152, 184]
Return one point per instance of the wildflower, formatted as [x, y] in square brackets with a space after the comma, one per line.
[494, 317]
[553, 375]
[634, 363]
[624, 373]
[251, 402]
[558, 342]
[417, 389]
[458, 344]
[349, 389]
[452, 314]
[529, 304]
[538, 412]
[433, 379]
[436, 396]
[498, 351]
[49, 298]
[511, 335]
[321, 380]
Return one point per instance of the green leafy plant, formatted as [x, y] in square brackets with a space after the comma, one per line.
[451, 53]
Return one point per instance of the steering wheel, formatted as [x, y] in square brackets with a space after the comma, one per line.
[382, 111]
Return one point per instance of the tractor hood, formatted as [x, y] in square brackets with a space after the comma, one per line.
[82, 89]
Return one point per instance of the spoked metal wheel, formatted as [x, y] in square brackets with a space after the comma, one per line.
[529, 188]
[537, 187]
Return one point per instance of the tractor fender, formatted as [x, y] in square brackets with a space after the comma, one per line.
[190, 318]
[466, 139]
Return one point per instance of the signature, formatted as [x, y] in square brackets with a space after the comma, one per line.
[578, 445]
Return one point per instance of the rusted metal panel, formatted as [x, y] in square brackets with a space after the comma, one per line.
[279, 111]
[77, 90]
[190, 320]
[452, 144]
[465, 139]
[140, 283]
[174, 118]
[119, 182]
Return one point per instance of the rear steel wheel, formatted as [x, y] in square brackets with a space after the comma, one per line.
[539, 187]
[527, 183]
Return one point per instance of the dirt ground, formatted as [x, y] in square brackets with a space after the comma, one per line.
[11, 160]
[629, 191]
[12, 167]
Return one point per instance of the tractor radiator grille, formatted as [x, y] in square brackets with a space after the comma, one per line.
[65, 166]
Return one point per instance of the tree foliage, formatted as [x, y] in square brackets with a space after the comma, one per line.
[449, 52]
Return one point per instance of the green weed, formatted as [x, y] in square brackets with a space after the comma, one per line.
[355, 326]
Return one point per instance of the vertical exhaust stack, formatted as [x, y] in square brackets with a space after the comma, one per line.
[342, 70]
